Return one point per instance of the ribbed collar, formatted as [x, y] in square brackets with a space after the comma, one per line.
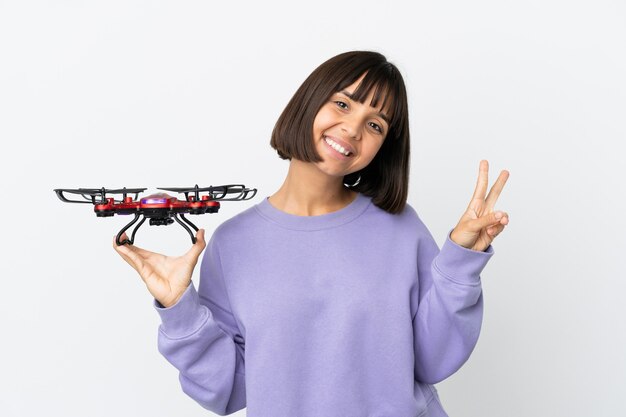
[322, 221]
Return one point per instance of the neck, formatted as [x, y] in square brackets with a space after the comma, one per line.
[308, 192]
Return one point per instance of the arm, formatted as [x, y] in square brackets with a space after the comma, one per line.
[200, 337]
[449, 315]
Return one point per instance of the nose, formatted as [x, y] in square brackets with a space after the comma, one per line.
[350, 127]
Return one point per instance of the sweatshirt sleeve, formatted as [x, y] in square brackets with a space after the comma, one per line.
[449, 315]
[200, 337]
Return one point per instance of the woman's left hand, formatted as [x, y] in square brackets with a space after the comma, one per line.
[480, 224]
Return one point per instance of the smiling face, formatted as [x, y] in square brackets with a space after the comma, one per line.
[345, 125]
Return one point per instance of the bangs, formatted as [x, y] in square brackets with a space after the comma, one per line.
[386, 91]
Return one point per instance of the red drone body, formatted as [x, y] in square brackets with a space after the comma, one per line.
[159, 201]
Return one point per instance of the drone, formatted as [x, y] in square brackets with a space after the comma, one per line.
[161, 208]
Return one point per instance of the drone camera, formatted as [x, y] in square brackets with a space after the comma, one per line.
[161, 222]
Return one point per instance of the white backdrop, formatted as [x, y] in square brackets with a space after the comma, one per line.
[163, 94]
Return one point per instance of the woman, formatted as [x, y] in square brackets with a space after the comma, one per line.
[329, 297]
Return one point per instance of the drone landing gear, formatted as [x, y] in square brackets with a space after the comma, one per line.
[182, 216]
[155, 222]
[132, 237]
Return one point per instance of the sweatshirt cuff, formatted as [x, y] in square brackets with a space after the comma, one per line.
[184, 317]
[461, 264]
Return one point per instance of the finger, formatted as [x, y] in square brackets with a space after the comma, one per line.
[129, 255]
[489, 219]
[482, 182]
[495, 191]
[128, 261]
[197, 248]
[142, 252]
[494, 231]
[122, 252]
[123, 237]
[139, 251]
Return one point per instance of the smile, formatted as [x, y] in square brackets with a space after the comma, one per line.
[337, 147]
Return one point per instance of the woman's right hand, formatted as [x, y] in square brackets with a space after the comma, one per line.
[166, 277]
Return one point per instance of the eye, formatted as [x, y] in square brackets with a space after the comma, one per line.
[341, 102]
[376, 127]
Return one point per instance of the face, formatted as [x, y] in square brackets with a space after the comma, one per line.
[345, 125]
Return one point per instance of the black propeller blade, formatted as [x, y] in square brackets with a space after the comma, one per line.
[90, 194]
[217, 192]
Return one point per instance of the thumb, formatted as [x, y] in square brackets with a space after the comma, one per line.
[488, 220]
[197, 247]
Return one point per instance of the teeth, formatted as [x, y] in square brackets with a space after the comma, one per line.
[336, 146]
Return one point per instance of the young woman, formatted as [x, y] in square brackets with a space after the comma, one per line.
[329, 298]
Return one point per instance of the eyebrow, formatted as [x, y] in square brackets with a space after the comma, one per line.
[381, 115]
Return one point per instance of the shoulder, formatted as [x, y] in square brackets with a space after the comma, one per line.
[404, 225]
[407, 217]
[236, 225]
[410, 215]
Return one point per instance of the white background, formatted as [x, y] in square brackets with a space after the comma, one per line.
[164, 94]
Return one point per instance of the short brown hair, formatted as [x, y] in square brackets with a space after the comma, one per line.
[386, 178]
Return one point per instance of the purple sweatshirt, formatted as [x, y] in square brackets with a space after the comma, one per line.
[354, 313]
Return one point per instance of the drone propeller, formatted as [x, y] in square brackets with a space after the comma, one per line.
[216, 192]
[90, 194]
[126, 190]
